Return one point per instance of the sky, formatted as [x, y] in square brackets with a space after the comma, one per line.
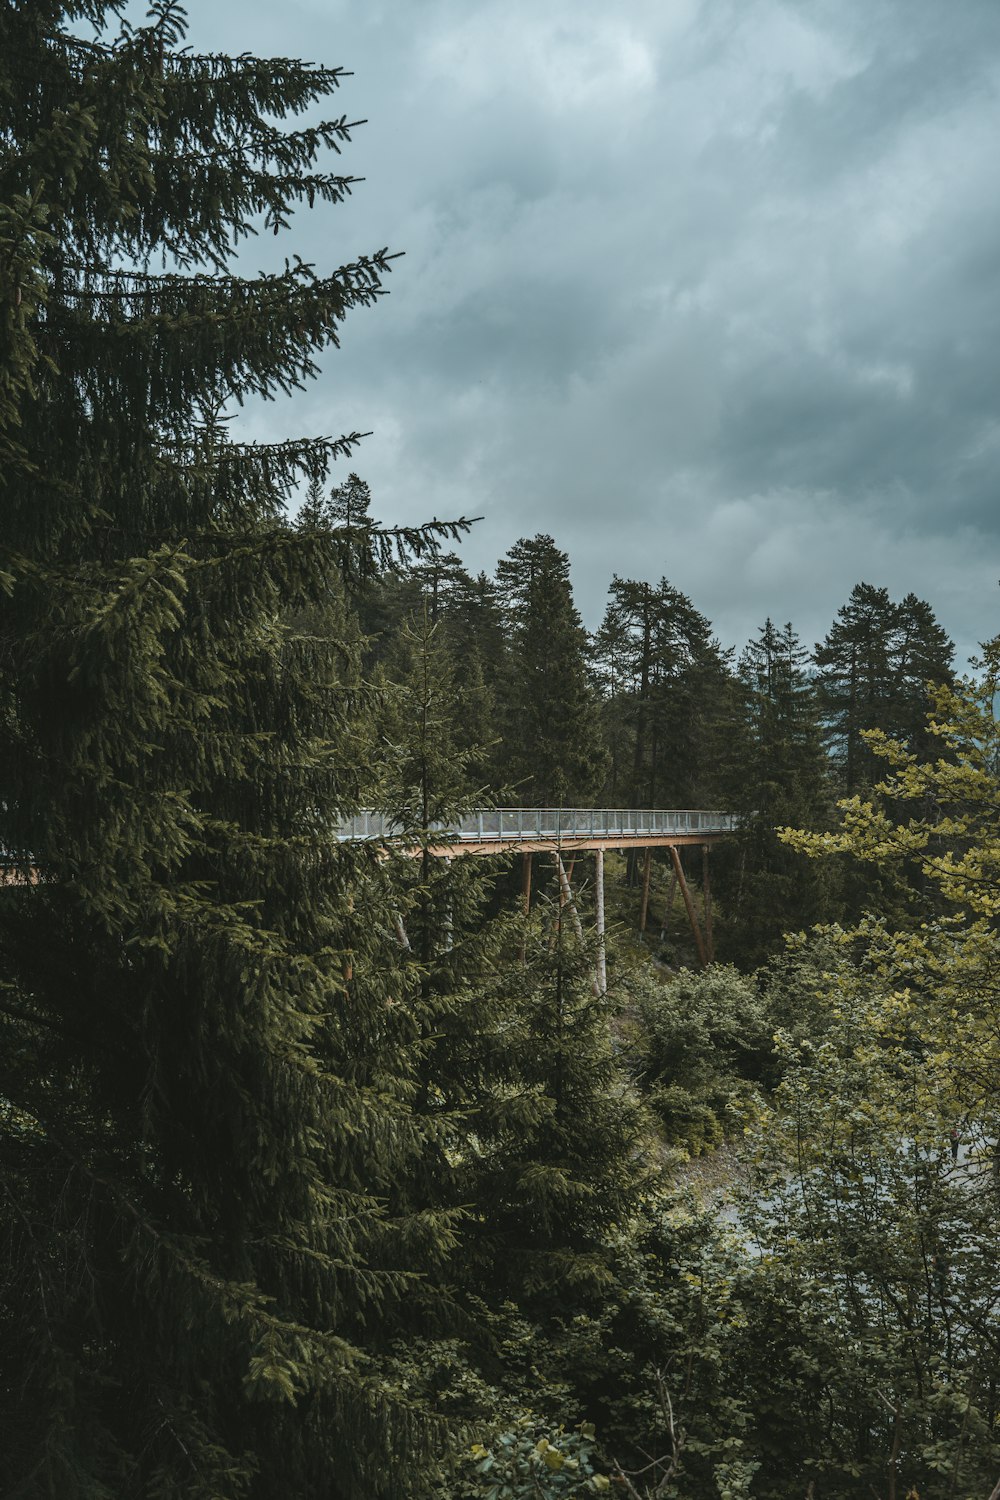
[705, 289]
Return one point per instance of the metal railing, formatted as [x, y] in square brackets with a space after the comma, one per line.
[511, 825]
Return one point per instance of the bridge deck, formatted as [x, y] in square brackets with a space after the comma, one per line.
[530, 829]
[490, 830]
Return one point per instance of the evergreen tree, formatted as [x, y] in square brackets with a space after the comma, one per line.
[536, 1131]
[446, 1009]
[781, 778]
[552, 749]
[667, 690]
[873, 669]
[203, 1114]
[936, 822]
[350, 504]
[573, 1169]
[468, 633]
[924, 655]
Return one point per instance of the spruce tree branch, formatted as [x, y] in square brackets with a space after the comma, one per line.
[91, 47]
[298, 278]
[18, 1013]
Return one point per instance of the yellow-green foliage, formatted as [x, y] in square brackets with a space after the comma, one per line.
[939, 823]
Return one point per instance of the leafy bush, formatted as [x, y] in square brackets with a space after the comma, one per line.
[521, 1465]
[704, 1042]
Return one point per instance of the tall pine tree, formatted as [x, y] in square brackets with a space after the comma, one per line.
[782, 777]
[203, 1113]
[552, 747]
[666, 686]
[873, 669]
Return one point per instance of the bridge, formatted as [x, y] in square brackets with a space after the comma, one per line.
[559, 831]
[489, 830]
[569, 831]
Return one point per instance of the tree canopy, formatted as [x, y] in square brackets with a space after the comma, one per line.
[202, 1114]
[327, 1168]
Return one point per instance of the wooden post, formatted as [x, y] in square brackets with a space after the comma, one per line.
[668, 907]
[401, 937]
[602, 967]
[689, 904]
[645, 892]
[707, 890]
[526, 896]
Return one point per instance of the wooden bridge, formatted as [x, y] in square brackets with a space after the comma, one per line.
[569, 831]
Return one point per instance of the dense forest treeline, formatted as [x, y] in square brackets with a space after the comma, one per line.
[652, 711]
[326, 1169]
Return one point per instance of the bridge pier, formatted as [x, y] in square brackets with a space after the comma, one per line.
[602, 968]
[526, 899]
[689, 906]
[707, 892]
[668, 905]
[646, 872]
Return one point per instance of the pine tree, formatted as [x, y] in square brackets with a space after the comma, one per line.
[468, 632]
[666, 685]
[873, 669]
[782, 778]
[204, 1104]
[535, 1134]
[552, 746]
[924, 655]
[564, 1162]
[445, 1011]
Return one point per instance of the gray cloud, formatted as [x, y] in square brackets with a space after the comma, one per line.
[702, 287]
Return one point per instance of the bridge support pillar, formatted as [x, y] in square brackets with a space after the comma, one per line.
[668, 906]
[646, 869]
[602, 968]
[526, 896]
[689, 905]
[707, 889]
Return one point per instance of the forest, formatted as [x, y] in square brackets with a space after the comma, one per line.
[327, 1171]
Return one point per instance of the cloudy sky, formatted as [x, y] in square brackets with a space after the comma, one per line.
[703, 288]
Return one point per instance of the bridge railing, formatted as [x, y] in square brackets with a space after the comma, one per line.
[512, 825]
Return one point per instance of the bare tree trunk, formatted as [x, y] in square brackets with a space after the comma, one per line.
[602, 969]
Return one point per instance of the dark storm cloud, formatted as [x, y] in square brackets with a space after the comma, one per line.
[702, 288]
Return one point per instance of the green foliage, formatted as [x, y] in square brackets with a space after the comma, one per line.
[520, 1465]
[873, 671]
[315, 1169]
[878, 1250]
[560, 1146]
[932, 824]
[552, 745]
[780, 776]
[666, 689]
[654, 1366]
[704, 1042]
[207, 1094]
